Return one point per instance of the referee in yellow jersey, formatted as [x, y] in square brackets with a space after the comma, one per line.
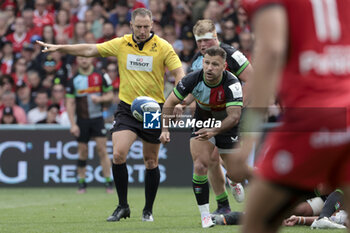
[142, 59]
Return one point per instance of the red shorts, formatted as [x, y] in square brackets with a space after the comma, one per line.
[303, 160]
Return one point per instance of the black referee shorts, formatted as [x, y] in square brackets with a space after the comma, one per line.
[124, 120]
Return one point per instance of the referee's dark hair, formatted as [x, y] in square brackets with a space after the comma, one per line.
[216, 51]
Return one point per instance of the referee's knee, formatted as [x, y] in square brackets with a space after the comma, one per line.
[151, 163]
[119, 158]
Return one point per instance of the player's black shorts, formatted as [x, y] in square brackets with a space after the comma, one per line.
[91, 128]
[226, 140]
[124, 120]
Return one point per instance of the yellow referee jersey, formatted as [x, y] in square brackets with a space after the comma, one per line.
[141, 69]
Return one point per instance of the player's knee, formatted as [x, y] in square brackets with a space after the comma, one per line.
[119, 157]
[151, 163]
[200, 168]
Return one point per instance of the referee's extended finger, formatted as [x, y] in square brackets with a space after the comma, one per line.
[40, 43]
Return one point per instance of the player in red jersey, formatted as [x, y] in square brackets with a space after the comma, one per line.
[301, 54]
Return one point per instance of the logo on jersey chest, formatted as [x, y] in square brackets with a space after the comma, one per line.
[219, 97]
[153, 49]
[139, 63]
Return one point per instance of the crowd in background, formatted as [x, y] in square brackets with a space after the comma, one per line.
[32, 84]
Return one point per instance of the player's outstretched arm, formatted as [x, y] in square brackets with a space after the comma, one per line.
[83, 50]
[178, 73]
[167, 112]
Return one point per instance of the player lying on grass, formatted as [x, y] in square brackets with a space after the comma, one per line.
[316, 213]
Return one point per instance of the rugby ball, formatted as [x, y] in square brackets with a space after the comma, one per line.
[143, 104]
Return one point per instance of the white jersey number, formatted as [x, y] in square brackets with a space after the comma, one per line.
[326, 20]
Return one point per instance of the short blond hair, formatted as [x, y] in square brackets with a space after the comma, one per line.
[142, 12]
[203, 26]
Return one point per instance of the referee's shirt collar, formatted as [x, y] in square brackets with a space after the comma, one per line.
[141, 44]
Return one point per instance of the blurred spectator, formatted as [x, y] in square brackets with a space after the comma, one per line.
[112, 71]
[28, 16]
[108, 32]
[229, 8]
[79, 33]
[63, 67]
[58, 96]
[214, 11]
[134, 4]
[24, 97]
[93, 24]
[48, 35]
[157, 29]
[9, 9]
[90, 38]
[66, 6]
[181, 19]
[41, 15]
[100, 13]
[108, 4]
[40, 112]
[19, 70]
[19, 36]
[64, 119]
[52, 115]
[246, 43]
[52, 5]
[8, 117]
[189, 48]
[78, 8]
[63, 28]
[121, 14]
[155, 8]
[123, 29]
[4, 26]
[242, 21]
[170, 36]
[111, 108]
[49, 73]
[1, 91]
[9, 100]
[7, 58]
[229, 35]
[28, 54]
[21, 5]
[198, 9]
[37, 48]
[34, 82]
[7, 83]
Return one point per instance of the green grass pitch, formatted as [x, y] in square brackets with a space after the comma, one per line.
[61, 210]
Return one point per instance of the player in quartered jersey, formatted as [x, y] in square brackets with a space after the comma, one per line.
[86, 93]
[238, 64]
[142, 60]
[301, 54]
[218, 95]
